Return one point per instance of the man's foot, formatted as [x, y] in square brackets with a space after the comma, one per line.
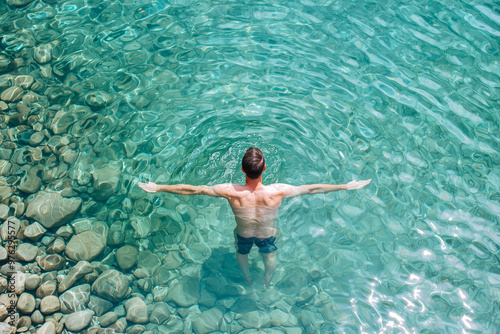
[267, 280]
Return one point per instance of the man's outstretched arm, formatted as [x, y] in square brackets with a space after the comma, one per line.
[292, 191]
[218, 190]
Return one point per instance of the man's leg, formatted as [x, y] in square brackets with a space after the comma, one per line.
[243, 263]
[270, 265]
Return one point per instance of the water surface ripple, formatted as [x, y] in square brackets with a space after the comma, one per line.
[404, 92]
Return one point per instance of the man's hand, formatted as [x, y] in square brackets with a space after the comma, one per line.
[353, 185]
[150, 187]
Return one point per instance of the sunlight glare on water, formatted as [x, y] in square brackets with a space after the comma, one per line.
[403, 92]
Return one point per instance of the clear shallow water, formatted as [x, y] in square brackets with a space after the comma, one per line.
[402, 92]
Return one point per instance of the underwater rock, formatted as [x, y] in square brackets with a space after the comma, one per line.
[34, 231]
[43, 54]
[47, 328]
[98, 99]
[32, 282]
[37, 318]
[254, 319]
[26, 303]
[160, 313]
[281, 318]
[4, 211]
[149, 262]
[62, 121]
[9, 269]
[49, 304]
[108, 319]
[5, 192]
[106, 181]
[208, 321]
[47, 288]
[30, 183]
[85, 246]
[36, 138]
[51, 262]
[18, 2]
[57, 246]
[3, 254]
[111, 285]
[26, 252]
[99, 305]
[81, 269]
[5, 167]
[184, 292]
[77, 321]
[51, 209]
[64, 231]
[24, 81]
[19, 279]
[5, 328]
[75, 299]
[126, 257]
[10, 227]
[12, 94]
[142, 226]
[137, 311]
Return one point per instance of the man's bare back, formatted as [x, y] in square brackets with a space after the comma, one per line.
[255, 207]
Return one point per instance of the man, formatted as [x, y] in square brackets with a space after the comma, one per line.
[254, 206]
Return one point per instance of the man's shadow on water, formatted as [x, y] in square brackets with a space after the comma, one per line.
[222, 277]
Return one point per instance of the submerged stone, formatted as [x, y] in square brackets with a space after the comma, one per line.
[85, 246]
[137, 311]
[12, 94]
[51, 209]
[126, 257]
[75, 299]
[49, 304]
[26, 252]
[51, 262]
[81, 269]
[98, 99]
[34, 231]
[99, 305]
[77, 321]
[111, 285]
[106, 181]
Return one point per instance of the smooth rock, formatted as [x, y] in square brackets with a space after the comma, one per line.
[184, 292]
[111, 285]
[9, 269]
[12, 94]
[3, 254]
[160, 313]
[77, 321]
[62, 121]
[85, 246]
[6, 328]
[19, 279]
[30, 183]
[106, 181]
[4, 211]
[43, 53]
[36, 138]
[18, 2]
[37, 317]
[98, 98]
[208, 321]
[5, 170]
[32, 282]
[47, 328]
[26, 252]
[50, 304]
[34, 231]
[6, 192]
[137, 310]
[24, 81]
[254, 319]
[10, 228]
[99, 305]
[51, 262]
[57, 246]
[126, 257]
[26, 303]
[108, 319]
[78, 271]
[47, 288]
[64, 231]
[75, 299]
[281, 318]
[51, 209]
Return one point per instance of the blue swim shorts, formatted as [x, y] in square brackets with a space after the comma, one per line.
[244, 245]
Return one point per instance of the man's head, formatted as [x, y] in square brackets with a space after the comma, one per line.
[253, 163]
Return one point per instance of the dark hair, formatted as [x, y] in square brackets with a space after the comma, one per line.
[253, 163]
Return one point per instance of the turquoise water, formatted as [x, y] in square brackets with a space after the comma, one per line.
[404, 92]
